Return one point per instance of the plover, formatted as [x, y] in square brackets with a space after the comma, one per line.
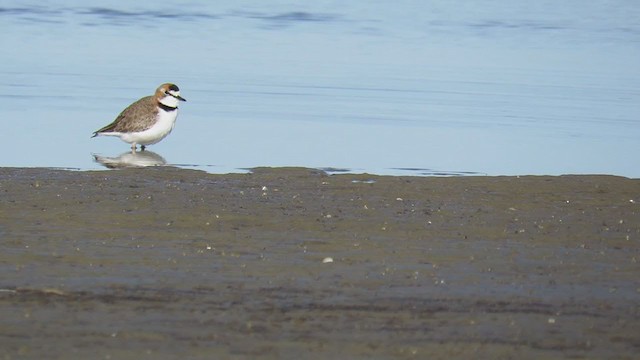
[147, 120]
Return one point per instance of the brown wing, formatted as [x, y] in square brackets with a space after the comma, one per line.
[138, 116]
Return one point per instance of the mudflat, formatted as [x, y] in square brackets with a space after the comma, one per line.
[293, 263]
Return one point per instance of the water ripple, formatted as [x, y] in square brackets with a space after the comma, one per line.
[114, 16]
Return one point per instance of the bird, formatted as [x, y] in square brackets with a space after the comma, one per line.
[148, 120]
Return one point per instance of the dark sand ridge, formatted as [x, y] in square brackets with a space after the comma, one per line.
[163, 262]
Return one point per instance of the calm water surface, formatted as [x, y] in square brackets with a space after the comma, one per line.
[437, 87]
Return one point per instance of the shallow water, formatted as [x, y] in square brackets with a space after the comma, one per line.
[493, 87]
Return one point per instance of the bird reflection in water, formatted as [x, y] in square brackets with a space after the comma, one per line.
[131, 159]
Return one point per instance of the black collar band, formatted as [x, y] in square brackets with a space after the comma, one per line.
[166, 108]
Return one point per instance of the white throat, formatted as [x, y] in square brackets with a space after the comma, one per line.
[169, 101]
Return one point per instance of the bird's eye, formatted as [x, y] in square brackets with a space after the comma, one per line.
[166, 93]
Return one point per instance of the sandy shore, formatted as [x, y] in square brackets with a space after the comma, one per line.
[292, 263]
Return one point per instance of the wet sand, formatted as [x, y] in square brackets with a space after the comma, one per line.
[291, 263]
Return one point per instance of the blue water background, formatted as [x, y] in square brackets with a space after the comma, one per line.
[386, 87]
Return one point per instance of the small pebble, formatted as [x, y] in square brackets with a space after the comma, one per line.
[327, 260]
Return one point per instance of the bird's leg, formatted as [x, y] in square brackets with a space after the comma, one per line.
[133, 148]
[142, 147]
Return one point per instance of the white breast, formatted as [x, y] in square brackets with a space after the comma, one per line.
[166, 120]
